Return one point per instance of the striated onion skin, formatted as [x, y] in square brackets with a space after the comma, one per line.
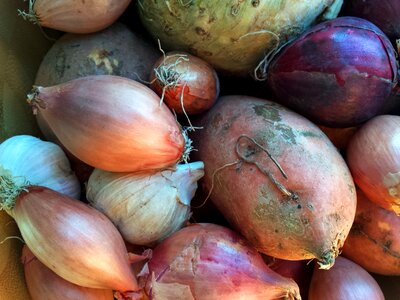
[210, 262]
[74, 240]
[374, 241]
[346, 280]
[185, 80]
[373, 156]
[315, 217]
[76, 16]
[111, 123]
[146, 207]
[339, 73]
[44, 284]
[383, 13]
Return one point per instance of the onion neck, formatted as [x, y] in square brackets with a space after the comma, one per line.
[30, 15]
[34, 101]
[10, 188]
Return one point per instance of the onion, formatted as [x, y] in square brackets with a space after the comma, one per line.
[373, 156]
[75, 241]
[233, 36]
[339, 73]
[340, 137]
[146, 207]
[374, 240]
[298, 270]
[346, 280]
[207, 261]
[75, 16]
[186, 83]
[383, 13]
[44, 284]
[39, 162]
[112, 123]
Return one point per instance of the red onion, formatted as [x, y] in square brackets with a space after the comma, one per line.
[111, 123]
[374, 240]
[44, 284]
[383, 13]
[77, 242]
[185, 82]
[207, 261]
[345, 280]
[339, 73]
[373, 156]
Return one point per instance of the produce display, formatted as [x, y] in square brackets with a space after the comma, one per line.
[147, 177]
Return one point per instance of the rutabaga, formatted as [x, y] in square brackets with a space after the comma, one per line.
[40, 163]
[146, 207]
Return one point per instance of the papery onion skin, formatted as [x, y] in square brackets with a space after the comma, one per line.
[77, 16]
[44, 284]
[346, 280]
[373, 156]
[146, 207]
[340, 73]
[185, 80]
[39, 162]
[233, 36]
[211, 262]
[374, 241]
[310, 222]
[74, 240]
[383, 13]
[111, 123]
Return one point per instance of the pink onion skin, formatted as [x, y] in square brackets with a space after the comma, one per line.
[338, 74]
[383, 13]
[345, 280]
[78, 16]
[373, 156]
[198, 83]
[74, 240]
[44, 284]
[112, 123]
[215, 263]
[298, 270]
[374, 241]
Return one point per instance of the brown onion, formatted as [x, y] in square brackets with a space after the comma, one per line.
[374, 240]
[44, 284]
[339, 73]
[207, 261]
[345, 280]
[76, 241]
[340, 137]
[373, 156]
[185, 82]
[75, 16]
[111, 123]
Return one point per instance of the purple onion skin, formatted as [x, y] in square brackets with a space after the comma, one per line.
[339, 73]
[383, 13]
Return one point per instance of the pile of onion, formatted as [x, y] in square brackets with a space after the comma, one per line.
[207, 261]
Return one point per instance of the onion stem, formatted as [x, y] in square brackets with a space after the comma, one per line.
[30, 15]
[10, 189]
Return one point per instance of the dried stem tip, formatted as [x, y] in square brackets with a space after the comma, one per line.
[10, 188]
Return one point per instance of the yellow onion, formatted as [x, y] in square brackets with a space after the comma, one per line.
[39, 162]
[145, 207]
[74, 240]
[44, 284]
[112, 123]
[75, 16]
